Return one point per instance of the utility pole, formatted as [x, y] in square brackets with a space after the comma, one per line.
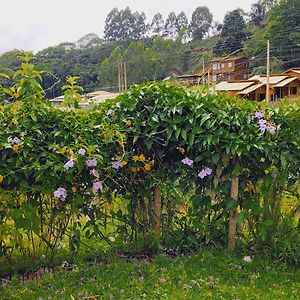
[203, 70]
[119, 75]
[268, 73]
[122, 76]
[125, 76]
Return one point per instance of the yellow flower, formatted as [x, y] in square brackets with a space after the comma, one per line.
[106, 206]
[124, 163]
[142, 157]
[250, 187]
[128, 122]
[16, 95]
[147, 167]
[135, 158]
[1, 178]
[74, 189]
[15, 147]
[152, 162]
[133, 169]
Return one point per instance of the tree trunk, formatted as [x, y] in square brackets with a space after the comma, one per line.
[234, 192]
[157, 210]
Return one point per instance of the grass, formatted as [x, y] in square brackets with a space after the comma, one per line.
[207, 275]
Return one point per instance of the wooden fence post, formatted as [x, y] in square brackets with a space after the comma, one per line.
[157, 210]
[234, 192]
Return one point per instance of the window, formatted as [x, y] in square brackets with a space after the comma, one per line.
[229, 76]
[230, 65]
[215, 66]
[245, 76]
[293, 90]
[222, 65]
[214, 78]
[219, 66]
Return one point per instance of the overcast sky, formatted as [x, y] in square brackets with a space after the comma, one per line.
[37, 24]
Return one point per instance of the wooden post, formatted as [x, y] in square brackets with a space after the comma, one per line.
[234, 192]
[119, 75]
[125, 76]
[157, 210]
[268, 73]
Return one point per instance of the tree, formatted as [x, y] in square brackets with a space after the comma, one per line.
[171, 26]
[126, 25]
[157, 24]
[111, 25]
[182, 21]
[108, 71]
[201, 22]
[284, 31]
[122, 25]
[140, 27]
[259, 12]
[233, 33]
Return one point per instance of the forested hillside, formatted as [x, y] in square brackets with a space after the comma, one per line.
[153, 50]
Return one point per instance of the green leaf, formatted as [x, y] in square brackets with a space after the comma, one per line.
[231, 204]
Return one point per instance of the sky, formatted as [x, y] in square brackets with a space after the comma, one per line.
[37, 24]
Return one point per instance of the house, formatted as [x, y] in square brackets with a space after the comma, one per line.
[229, 68]
[87, 99]
[189, 79]
[233, 88]
[281, 86]
[293, 72]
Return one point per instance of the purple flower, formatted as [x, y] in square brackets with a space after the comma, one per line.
[208, 171]
[14, 140]
[69, 164]
[263, 125]
[94, 173]
[185, 286]
[97, 185]
[259, 115]
[116, 165]
[60, 194]
[205, 172]
[82, 151]
[141, 279]
[271, 129]
[109, 112]
[187, 161]
[92, 163]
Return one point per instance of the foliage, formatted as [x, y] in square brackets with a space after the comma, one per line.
[259, 12]
[124, 25]
[157, 24]
[233, 33]
[283, 31]
[67, 173]
[201, 22]
[144, 63]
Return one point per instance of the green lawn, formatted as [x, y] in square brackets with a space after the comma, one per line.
[204, 276]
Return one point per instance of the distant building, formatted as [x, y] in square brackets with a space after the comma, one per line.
[281, 86]
[87, 99]
[293, 72]
[229, 68]
[219, 69]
